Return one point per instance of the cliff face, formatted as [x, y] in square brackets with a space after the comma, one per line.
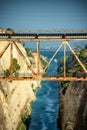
[15, 96]
[73, 107]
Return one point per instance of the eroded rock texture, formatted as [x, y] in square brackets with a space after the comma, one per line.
[73, 107]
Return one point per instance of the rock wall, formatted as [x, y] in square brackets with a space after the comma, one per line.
[15, 96]
[73, 107]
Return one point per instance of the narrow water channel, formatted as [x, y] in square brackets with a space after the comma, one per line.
[45, 109]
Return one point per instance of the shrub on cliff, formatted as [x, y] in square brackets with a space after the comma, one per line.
[74, 69]
[25, 122]
[15, 68]
[64, 85]
[29, 53]
[43, 62]
[9, 31]
[7, 72]
[82, 53]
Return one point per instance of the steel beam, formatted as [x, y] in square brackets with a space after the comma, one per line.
[3, 51]
[64, 59]
[38, 58]
[42, 39]
[11, 60]
[24, 58]
[53, 57]
[79, 61]
[43, 79]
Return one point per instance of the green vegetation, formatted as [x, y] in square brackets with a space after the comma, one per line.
[16, 66]
[33, 88]
[25, 121]
[43, 62]
[65, 85]
[77, 67]
[61, 63]
[23, 44]
[15, 69]
[9, 30]
[73, 67]
[86, 47]
[21, 126]
[31, 62]
[82, 53]
[29, 53]
[7, 72]
[70, 72]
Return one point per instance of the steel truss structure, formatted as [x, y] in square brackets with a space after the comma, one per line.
[64, 37]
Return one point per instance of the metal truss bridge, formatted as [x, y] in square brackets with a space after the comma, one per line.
[63, 36]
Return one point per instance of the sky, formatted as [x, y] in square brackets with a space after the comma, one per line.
[43, 14]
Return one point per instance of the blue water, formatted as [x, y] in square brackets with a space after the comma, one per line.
[45, 109]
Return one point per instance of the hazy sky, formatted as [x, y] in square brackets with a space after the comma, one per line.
[43, 14]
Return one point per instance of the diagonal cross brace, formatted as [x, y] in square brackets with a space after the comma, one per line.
[38, 58]
[11, 60]
[24, 58]
[79, 61]
[53, 57]
[3, 51]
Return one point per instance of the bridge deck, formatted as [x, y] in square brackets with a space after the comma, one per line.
[44, 36]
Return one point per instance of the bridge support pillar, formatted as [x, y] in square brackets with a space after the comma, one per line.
[65, 43]
[38, 57]
[11, 60]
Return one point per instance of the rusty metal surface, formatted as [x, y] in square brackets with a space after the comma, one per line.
[44, 79]
[61, 36]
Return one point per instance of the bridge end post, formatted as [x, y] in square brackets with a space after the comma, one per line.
[11, 60]
[38, 58]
